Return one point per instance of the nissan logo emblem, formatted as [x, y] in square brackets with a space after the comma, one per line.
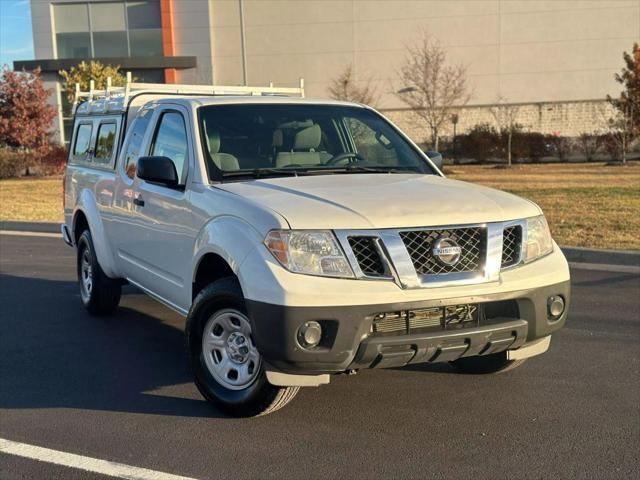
[446, 251]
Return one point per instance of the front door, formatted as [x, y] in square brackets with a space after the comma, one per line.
[156, 250]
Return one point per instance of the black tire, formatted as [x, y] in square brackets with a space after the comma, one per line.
[103, 296]
[259, 397]
[487, 364]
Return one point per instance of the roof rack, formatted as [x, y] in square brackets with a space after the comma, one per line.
[117, 98]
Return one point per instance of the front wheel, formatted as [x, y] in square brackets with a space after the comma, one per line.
[485, 364]
[227, 366]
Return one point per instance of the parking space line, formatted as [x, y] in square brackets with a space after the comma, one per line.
[81, 462]
[30, 234]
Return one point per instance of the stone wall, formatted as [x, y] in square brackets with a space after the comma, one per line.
[568, 119]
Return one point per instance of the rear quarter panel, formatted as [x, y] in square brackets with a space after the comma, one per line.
[90, 191]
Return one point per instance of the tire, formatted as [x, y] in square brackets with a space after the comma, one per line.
[100, 294]
[217, 314]
[487, 364]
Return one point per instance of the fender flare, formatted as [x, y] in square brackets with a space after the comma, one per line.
[87, 205]
[229, 237]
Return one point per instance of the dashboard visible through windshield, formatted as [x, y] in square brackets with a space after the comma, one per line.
[258, 140]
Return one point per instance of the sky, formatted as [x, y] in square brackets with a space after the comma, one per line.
[16, 40]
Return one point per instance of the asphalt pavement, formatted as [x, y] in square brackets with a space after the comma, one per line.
[118, 389]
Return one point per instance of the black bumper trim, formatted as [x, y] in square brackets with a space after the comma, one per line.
[275, 327]
[440, 346]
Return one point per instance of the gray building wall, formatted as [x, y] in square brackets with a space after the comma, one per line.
[551, 56]
[557, 58]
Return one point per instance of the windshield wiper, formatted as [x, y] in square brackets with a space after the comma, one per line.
[354, 168]
[261, 172]
[294, 172]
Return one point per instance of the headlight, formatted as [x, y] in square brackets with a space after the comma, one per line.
[312, 252]
[538, 242]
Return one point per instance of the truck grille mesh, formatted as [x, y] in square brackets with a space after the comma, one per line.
[364, 248]
[471, 240]
[511, 244]
[410, 321]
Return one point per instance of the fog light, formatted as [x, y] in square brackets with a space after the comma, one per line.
[309, 334]
[555, 306]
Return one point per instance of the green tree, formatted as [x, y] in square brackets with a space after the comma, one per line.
[87, 71]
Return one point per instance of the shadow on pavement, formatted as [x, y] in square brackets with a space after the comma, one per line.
[54, 355]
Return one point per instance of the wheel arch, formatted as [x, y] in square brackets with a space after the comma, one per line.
[220, 247]
[210, 268]
[87, 216]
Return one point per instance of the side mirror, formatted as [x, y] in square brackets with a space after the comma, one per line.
[159, 170]
[436, 158]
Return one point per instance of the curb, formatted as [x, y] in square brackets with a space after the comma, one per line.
[573, 254]
[40, 227]
[607, 257]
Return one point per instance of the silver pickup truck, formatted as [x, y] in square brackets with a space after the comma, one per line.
[301, 239]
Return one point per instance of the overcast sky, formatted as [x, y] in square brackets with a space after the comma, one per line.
[16, 41]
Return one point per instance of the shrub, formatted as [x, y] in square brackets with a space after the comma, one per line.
[611, 145]
[530, 145]
[48, 160]
[589, 144]
[12, 162]
[560, 146]
[481, 143]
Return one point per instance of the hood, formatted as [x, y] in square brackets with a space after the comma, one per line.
[362, 201]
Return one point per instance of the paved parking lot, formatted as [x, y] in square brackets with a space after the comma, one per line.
[118, 389]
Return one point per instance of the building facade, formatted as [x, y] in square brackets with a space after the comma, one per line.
[557, 59]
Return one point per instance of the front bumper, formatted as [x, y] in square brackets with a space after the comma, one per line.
[348, 342]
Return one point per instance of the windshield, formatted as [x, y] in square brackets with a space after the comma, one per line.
[278, 140]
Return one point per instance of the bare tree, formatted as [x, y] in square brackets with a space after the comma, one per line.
[431, 87]
[506, 116]
[589, 144]
[619, 128]
[346, 88]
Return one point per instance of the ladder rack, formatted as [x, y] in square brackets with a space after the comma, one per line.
[131, 89]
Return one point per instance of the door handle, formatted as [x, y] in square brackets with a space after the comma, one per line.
[138, 201]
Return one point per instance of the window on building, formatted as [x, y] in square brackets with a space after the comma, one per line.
[72, 30]
[148, 75]
[108, 29]
[171, 141]
[145, 28]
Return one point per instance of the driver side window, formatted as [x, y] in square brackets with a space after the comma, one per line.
[370, 144]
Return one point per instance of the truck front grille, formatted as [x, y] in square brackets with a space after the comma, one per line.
[411, 321]
[364, 248]
[511, 245]
[471, 240]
